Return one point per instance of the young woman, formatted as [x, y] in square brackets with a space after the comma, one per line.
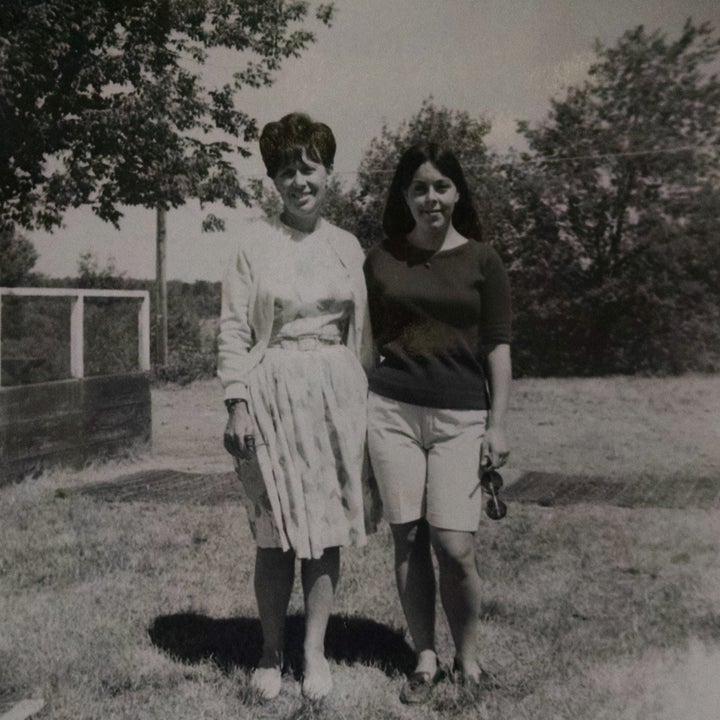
[291, 336]
[440, 308]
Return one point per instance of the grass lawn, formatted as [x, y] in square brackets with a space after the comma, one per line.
[141, 610]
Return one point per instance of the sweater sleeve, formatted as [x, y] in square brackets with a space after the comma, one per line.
[496, 306]
[236, 337]
[373, 294]
[365, 350]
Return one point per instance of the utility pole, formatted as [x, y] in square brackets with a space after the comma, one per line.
[161, 325]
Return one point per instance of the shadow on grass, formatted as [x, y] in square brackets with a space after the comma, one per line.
[237, 642]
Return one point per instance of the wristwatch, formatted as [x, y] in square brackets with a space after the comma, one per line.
[230, 403]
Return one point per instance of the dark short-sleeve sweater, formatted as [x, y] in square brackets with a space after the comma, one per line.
[432, 315]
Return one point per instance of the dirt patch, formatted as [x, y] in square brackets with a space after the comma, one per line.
[556, 489]
[163, 486]
[539, 488]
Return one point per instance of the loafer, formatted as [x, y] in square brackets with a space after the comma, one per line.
[419, 686]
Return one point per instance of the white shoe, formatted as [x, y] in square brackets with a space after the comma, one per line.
[317, 684]
[267, 682]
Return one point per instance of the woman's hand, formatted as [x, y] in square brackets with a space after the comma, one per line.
[239, 437]
[494, 448]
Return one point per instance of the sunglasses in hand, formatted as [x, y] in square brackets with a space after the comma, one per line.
[491, 481]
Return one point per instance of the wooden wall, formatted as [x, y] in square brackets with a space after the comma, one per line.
[71, 422]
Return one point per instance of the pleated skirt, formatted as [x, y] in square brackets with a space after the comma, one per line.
[305, 490]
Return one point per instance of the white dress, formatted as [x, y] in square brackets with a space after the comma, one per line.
[306, 395]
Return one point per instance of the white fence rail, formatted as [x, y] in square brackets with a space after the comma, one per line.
[77, 325]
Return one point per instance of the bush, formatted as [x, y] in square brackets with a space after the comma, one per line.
[192, 339]
[184, 369]
[35, 340]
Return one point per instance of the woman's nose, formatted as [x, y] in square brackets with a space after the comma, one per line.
[298, 179]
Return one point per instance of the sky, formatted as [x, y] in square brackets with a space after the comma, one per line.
[497, 59]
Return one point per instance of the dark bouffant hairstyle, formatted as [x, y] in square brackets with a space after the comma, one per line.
[284, 141]
[397, 219]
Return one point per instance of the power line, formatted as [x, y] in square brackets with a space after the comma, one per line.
[629, 153]
[539, 160]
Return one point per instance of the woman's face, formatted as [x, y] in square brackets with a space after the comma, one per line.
[302, 185]
[431, 198]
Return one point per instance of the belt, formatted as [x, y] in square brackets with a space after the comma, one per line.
[307, 342]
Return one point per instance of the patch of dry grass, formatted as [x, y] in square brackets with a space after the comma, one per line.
[667, 684]
[589, 611]
[617, 426]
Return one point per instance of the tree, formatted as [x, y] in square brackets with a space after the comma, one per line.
[104, 103]
[91, 275]
[623, 177]
[362, 206]
[17, 258]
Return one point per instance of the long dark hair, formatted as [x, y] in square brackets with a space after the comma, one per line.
[397, 219]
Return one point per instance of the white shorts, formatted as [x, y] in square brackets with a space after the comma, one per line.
[427, 462]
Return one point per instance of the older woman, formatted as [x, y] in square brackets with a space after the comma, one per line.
[440, 308]
[291, 339]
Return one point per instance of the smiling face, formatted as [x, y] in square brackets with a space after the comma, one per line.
[301, 184]
[431, 197]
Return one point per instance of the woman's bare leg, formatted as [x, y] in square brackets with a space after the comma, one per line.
[319, 581]
[415, 579]
[460, 593]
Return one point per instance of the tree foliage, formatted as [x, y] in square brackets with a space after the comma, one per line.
[17, 258]
[617, 234]
[91, 275]
[608, 224]
[104, 102]
[361, 207]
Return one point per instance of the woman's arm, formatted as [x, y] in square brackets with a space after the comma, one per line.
[495, 331]
[494, 445]
[235, 338]
[374, 311]
[234, 343]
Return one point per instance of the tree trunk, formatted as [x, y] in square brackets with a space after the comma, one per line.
[161, 327]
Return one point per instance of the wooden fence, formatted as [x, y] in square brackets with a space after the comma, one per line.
[76, 420]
